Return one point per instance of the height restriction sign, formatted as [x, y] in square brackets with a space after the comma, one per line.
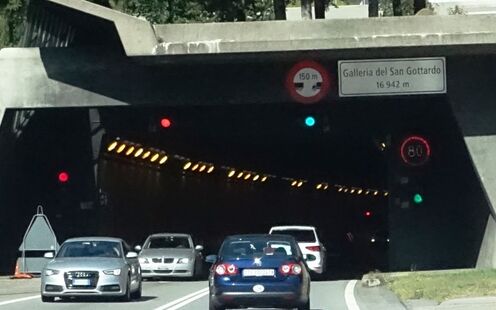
[308, 82]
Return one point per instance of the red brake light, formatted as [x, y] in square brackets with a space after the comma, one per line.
[220, 270]
[314, 248]
[290, 269]
[226, 270]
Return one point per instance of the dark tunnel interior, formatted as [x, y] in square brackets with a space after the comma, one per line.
[352, 152]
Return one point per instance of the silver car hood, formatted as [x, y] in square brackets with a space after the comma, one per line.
[85, 263]
[173, 253]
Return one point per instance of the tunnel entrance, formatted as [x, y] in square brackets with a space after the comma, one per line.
[217, 170]
[270, 168]
[329, 167]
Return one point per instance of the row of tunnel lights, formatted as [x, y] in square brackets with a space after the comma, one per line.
[138, 152]
[153, 155]
[341, 189]
[247, 175]
[360, 191]
[199, 167]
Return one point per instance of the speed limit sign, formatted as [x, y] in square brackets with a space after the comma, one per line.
[415, 151]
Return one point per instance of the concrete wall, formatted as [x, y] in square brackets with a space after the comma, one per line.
[475, 113]
[95, 77]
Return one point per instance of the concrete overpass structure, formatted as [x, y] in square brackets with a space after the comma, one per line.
[79, 55]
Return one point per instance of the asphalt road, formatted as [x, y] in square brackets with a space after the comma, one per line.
[165, 295]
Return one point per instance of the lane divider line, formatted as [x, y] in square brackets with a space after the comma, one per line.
[188, 301]
[8, 302]
[184, 298]
[349, 296]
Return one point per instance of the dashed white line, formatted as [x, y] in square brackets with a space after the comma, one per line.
[8, 302]
[349, 296]
[180, 302]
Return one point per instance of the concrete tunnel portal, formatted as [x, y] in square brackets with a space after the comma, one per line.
[230, 107]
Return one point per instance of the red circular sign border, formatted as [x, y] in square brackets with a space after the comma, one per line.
[423, 141]
[326, 81]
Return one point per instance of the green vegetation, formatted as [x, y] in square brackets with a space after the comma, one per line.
[12, 16]
[443, 286]
[457, 10]
[386, 6]
[13, 12]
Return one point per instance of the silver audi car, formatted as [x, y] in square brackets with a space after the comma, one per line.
[92, 266]
[170, 255]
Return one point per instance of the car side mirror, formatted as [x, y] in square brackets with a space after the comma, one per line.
[48, 255]
[199, 247]
[138, 248]
[131, 255]
[211, 259]
[309, 257]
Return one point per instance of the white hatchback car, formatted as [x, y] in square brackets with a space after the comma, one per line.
[309, 243]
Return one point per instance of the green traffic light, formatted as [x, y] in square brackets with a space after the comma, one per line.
[309, 121]
[417, 198]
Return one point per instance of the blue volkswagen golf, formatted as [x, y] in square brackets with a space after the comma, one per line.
[264, 271]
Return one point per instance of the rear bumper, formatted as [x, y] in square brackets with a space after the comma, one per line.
[284, 294]
[167, 270]
[317, 266]
[160, 273]
[317, 269]
[268, 299]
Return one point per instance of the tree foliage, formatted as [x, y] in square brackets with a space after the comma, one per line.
[181, 11]
[13, 12]
[456, 10]
[405, 7]
[12, 17]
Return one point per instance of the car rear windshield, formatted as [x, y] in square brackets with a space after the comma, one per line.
[300, 235]
[168, 242]
[90, 249]
[258, 247]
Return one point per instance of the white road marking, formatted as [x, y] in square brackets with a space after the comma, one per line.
[349, 296]
[8, 302]
[184, 300]
[188, 301]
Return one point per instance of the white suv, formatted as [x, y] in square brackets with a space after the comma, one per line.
[309, 243]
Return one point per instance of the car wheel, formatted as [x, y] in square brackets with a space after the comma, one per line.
[305, 306]
[138, 293]
[127, 295]
[47, 298]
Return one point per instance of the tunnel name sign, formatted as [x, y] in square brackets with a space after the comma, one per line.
[382, 77]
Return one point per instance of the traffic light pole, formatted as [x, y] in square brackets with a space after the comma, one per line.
[97, 133]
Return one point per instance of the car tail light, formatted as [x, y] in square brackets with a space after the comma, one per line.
[226, 270]
[313, 248]
[290, 269]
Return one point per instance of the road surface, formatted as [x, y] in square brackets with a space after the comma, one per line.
[166, 295]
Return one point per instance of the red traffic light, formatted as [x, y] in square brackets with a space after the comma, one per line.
[165, 122]
[367, 214]
[63, 177]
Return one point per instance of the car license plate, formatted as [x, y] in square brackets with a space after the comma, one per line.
[81, 282]
[258, 272]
